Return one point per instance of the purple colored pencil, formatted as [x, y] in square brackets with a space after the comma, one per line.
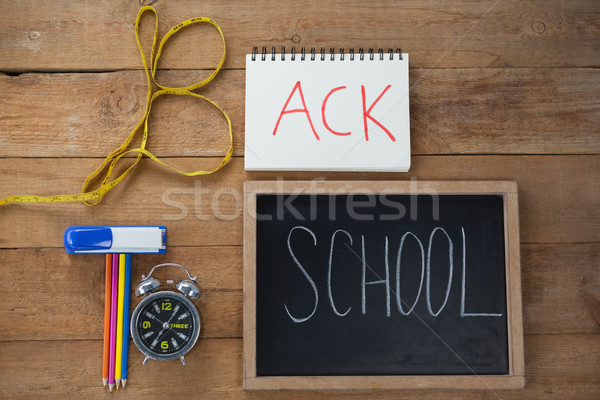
[113, 322]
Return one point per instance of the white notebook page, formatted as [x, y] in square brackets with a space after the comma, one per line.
[311, 114]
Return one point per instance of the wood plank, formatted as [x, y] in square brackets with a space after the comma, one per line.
[69, 291]
[558, 367]
[554, 280]
[90, 115]
[553, 207]
[485, 382]
[454, 111]
[465, 34]
[514, 288]
[64, 283]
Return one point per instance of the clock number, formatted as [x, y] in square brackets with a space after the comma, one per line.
[164, 345]
[146, 324]
[166, 306]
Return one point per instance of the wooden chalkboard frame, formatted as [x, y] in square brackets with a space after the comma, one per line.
[513, 380]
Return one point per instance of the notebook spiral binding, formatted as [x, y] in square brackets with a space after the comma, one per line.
[371, 54]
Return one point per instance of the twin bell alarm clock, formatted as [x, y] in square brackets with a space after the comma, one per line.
[165, 325]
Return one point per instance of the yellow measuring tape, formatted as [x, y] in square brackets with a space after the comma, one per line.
[93, 197]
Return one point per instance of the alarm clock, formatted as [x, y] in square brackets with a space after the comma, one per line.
[165, 325]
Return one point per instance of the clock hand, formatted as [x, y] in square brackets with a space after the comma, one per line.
[152, 316]
[160, 334]
[167, 325]
[175, 310]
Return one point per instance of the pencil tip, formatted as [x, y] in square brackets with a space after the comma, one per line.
[123, 383]
[117, 383]
[104, 382]
[110, 387]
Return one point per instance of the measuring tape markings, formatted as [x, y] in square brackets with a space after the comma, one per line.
[93, 197]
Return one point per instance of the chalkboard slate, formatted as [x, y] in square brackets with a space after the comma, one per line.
[368, 284]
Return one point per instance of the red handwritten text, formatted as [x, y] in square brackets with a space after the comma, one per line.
[366, 112]
[303, 110]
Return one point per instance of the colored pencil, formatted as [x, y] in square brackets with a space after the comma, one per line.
[113, 322]
[107, 301]
[121, 304]
[126, 310]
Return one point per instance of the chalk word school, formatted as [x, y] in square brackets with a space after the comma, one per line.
[341, 239]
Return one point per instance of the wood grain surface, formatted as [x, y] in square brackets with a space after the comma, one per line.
[81, 35]
[453, 111]
[500, 90]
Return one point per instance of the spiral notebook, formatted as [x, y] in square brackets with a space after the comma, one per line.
[322, 110]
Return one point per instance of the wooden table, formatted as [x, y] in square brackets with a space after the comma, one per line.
[499, 91]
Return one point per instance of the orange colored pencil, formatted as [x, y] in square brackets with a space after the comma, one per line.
[107, 301]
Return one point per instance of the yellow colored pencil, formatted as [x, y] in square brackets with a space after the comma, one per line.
[121, 304]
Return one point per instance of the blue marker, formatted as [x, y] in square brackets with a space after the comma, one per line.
[116, 239]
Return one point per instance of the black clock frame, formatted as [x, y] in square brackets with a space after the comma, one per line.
[136, 335]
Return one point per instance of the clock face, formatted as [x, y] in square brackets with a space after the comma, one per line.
[165, 325]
